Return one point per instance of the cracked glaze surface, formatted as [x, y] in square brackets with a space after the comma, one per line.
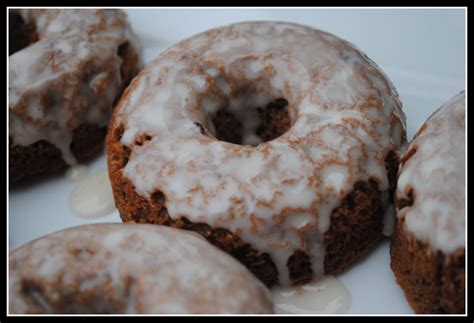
[435, 174]
[277, 195]
[69, 77]
[130, 268]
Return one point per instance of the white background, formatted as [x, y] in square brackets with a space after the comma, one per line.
[422, 51]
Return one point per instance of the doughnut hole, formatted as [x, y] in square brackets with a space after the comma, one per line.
[273, 121]
[251, 125]
[20, 33]
[253, 101]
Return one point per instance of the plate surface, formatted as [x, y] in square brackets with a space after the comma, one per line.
[425, 60]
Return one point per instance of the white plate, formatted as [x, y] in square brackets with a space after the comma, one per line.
[422, 51]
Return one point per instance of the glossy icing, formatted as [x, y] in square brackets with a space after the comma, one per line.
[69, 77]
[435, 174]
[277, 195]
[130, 268]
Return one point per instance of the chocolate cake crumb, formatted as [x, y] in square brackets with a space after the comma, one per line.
[433, 283]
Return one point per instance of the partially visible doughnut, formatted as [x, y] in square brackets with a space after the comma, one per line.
[130, 268]
[66, 69]
[428, 247]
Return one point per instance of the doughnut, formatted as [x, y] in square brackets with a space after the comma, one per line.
[277, 142]
[130, 268]
[66, 68]
[428, 246]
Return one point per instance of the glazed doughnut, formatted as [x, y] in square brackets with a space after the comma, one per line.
[428, 247]
[130, 268]
[66, 67]
[277, 142]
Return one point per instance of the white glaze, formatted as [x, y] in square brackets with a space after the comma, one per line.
[436, 173]
[76, 172]
[92, 197]
[323, 296]
[133, 268]
[346, 117]
[49, 94]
